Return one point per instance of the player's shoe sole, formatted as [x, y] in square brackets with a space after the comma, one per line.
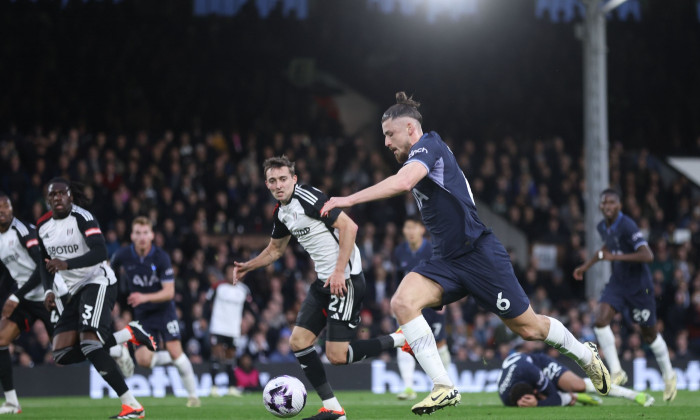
[130, 413]
[619, 377]
[140, 336]
[670, 387]
[596, 370]
[326, 414]
[9, 408]
[439, 398]
[644, 399]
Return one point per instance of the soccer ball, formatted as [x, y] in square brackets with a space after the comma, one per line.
[284, 396]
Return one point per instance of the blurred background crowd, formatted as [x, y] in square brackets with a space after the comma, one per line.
[207, 198]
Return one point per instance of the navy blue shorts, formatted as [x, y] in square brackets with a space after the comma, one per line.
[484, 273]
[639, 301]
[437, 323]
[162, 325]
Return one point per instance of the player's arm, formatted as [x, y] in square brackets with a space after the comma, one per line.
[597, 256]
[270, 254]
[46, 279]
[403, 181]
[347, 233]
[163, 295]
[31, 244]
[641, 255]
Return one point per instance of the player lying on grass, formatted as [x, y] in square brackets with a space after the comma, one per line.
[537, 380]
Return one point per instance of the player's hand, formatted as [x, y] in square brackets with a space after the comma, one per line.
[55, 265]
[578, 272]
[136, 298]
[337, 284]
[527, 400]
[50, 301]
[239, 270]
[574, 398]
[8, 308]
[335, 202]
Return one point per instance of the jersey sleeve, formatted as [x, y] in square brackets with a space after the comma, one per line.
[632, 235]
[116, 261]
[165, 268]
[279, 229]
[94, 239]
[30, 240]
[426, 152]
[312, 200]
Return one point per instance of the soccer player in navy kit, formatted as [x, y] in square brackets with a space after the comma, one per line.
[150, 283]
[537, 380]
[408, 254]
[467, 257]
[73, 245]
[20, 262]
[334, 300]
[630, 288]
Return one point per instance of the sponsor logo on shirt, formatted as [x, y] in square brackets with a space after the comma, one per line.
[416, 151]
[63, 249]
[301, 232]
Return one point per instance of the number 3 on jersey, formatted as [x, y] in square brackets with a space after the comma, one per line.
[87, 314]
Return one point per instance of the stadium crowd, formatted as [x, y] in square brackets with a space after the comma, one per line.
[207, 199]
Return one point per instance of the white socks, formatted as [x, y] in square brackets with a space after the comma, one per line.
[127, 398]
[422, 341]
[184, 366]
[161, 358]
[615, 390]
[122, 336]
[565, 398]
[11, 397]
[662, 358]
[561, 339]
[332, 404]
[606, 341]
[116, 351]
[407, 365]
[399, 339]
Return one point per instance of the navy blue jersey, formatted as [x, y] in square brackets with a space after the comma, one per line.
[145, 275]
[624, 237]
[520, 367]
[445, 199]
[405, 258]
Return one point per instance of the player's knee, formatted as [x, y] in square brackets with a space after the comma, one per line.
[529, 333]
[298, 342]
[400, 305]
[337, 356]
[143, 360]
[67, 356]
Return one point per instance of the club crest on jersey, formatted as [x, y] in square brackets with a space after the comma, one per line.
[69, 231]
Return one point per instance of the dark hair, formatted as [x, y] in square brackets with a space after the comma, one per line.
[76, 190]
[278, 162]
[518, 390]
[3, 195]
[404, 107]
[611, 191]
[414, 218]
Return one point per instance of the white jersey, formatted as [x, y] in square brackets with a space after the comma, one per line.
[14, 254]
[302, 219]
[65, 239]
[227, 308]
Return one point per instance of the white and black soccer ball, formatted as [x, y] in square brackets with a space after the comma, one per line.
[284, 396]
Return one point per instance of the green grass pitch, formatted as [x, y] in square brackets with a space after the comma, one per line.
[359, 406]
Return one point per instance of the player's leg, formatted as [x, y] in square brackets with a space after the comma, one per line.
[414, 293]
[230, 363]
[65, 343]
[343, 317]
[658, 346]
[95, 303]
[217, 357]
[610, 299]
[310, 321]
[184, 367]
[8, 332]
[438, 321]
